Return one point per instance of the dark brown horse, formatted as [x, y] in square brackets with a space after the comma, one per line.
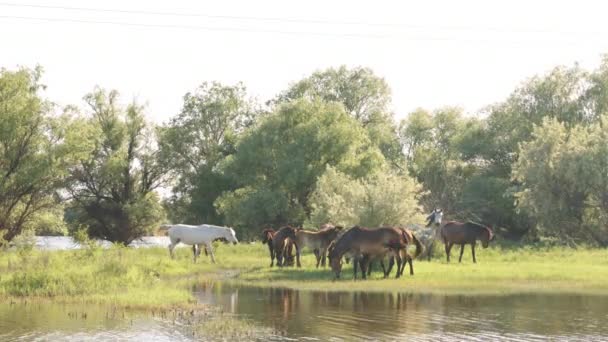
[364, 244]
[409, 239]
[282, 241]
[464, 233]
[267, 236]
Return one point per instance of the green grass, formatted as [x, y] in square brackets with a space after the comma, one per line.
[149, 278]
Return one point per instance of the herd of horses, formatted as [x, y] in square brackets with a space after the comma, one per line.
[337, 245]
[364, 245]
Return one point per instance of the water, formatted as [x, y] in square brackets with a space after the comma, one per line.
[59, 322]
[385, 316]
[330, 316]
[53, 243]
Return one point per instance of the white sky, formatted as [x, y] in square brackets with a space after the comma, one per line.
[432, 53]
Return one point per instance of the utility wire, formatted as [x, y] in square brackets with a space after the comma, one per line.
[291, 20]
[397, 35]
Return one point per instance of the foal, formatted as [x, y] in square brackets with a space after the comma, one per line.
[465, 233]
[281, 242]
[267, 237]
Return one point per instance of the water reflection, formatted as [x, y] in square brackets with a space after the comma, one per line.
[60, 322]
[364, 315]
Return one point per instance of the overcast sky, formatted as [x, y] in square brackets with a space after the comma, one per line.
[432, 53]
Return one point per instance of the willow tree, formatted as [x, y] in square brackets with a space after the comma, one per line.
[279, 160]
[33, 155]
[113, 185]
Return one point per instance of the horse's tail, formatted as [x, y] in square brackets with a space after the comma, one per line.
[419, 246]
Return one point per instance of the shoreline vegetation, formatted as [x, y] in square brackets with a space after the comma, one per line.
[149, 279]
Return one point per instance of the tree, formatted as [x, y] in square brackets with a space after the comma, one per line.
[365, 96]
[196, 140]
[278, 161]
[33, 156]
[564, 184]
[113, 186]
[382, 198]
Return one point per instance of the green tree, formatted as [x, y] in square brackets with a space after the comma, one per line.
[278, 162]
[382, 198]
[365, 96]
[113, 185]
[33, 157]
[564, 184]
[196, 140]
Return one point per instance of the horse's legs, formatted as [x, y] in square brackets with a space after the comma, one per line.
[323, 255]
[461, 251]
[368, 266]
[448, 248]
[391, 263]
[208, 246]
[194, 253]
[473, 251]
[271, 250]
[430, 250]
[355, 263]
[410, 261]
[297, 254]
[318, 256]
[399, 261]
[363, 265]
[171, 247]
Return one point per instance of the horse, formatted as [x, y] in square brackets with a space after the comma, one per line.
[465, 233]
[318, 241]
[267, 236]
[281, 242]
[201, 235]
[362, 244]
[409, 239]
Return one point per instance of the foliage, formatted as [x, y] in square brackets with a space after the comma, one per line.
[33, 156]
[564, 184]
[382, 198]
[277, 163]
[196, 140]
[365, 96]
[113, 184]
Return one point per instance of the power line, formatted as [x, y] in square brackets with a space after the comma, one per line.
[292, 20]
[398, 36]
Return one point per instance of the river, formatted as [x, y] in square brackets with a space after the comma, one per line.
[331, 316]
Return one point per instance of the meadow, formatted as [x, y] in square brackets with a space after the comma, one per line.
[148, 278]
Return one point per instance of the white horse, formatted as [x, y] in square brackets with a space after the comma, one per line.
[200, 236]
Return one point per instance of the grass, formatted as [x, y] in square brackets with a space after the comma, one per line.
[148, 278]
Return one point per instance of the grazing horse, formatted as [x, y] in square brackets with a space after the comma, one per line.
[409, 239]
[282, 241]
[464, 233]
[363, 244]
[318, 241]
[267, 236]
[201, 235]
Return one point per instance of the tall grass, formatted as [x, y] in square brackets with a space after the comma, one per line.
[149, 278]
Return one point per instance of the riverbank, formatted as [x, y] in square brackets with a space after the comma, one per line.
[148, 278]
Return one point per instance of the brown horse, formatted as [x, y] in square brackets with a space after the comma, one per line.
[267, 236]
[464, 233]
[318, 241]
[363, 244]
[409, 239]
[282, 241]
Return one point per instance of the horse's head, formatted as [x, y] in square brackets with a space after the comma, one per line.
[486, 237]
[267, 235]
[231, 236]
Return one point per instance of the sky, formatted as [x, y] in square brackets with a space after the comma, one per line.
[432, 53]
